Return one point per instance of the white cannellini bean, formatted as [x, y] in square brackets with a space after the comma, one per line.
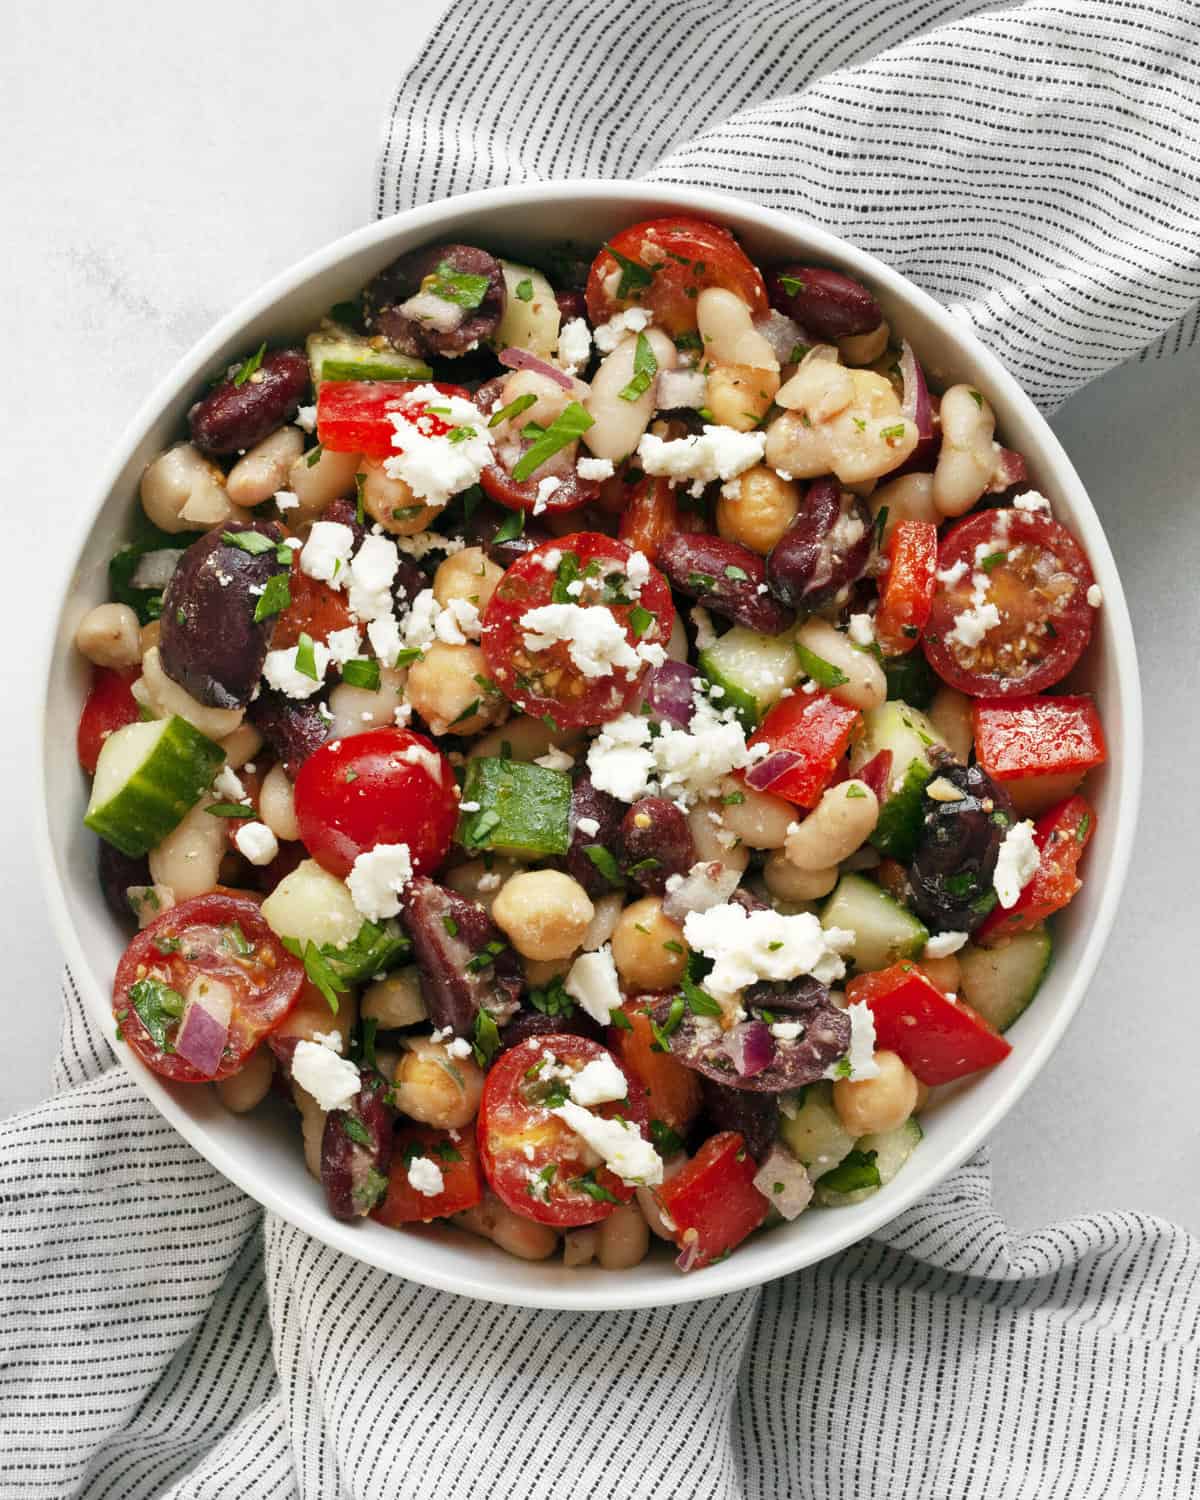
[909, 498]
[251, 1084]
[241, 746]
[966, 458]
[677, 646]
[760, 820]
[524, 1238]
[843, 819]
[356, 709]
[110, 636]
[480, 880]
[189, 858]
[312, 1128]
[580, 1246]
[711, 840]
[526, 739]
[728, 331]
[950, 714]
[277, 805]
[617, 425]
[316, 485]
[651, 1211]
[864, 348]
[787, 882]
[260, 473]
[181, 490]
[623, 1238]
[166, 697]
[866, 685]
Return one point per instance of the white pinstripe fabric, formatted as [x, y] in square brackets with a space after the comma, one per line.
[1030, 166]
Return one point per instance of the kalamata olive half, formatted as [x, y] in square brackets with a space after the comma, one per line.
[356, 1150]
[952, 869]
[656, 843]
[595, 824]
[754, 1116]
[211, 643]
[527, 1023]
[827, 304]
[292, 729]
[239, 412]
[726, 578]
[117, 872]
[825, 550]
[486, 520]
[442, 301]
[464, 963]
[699, 1043]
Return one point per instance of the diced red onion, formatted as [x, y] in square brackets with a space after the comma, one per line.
[689, 1252]
[783, 1181]
[154, 569]
[668, 691]
[782, 333]
[680, 388]
[915, 403]
[876, 774]
[751, 1047]
[521, 359]
[707, 884]
[204, 1029]
[768, 771]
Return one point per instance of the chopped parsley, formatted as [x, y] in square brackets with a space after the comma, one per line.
[317, 967]
[158, 1006]
[571, 423]
[524, 290]
[588, 1184]
[275, 597]
[665, 1140]
[634, 276]
[485, 1037]
[361, 672]
[249, 541]
[460, 287]
[640, 620]
[822, 672]
[511, 527]
[251, 366]
[230, 810]
[605, 862]
[792, 285]
[306, 657]
[513, 409]
[645, 368]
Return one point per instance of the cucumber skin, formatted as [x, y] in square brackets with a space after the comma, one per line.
[899, 827]
[910, 679]
[852, 890]
[888, 1162]
[193, 761]
[533, 803]
[743, 703]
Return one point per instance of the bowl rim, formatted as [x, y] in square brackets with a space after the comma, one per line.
[919, 1178]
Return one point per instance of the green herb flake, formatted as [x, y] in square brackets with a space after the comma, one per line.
[618, 1018]
[251, 366]
[699, 1001]
[552, 999]
[253, 542]
[605, 862]
[571, 423]
[511, 527]
[993, 560]
[640, 620]
[469, 712]
[798, 353]
[361, 672]
[446, 1151]
[313, 457]
[666, 1142]
[854, 791]
[524, 290]
[355, 1129]
[738, 575]
[360, 504]
[485, 1037]
[306, 657]
[588, 1184]
[317, 967]
[634, 276]
[702, 583]
[372, 1190]
[893, 434]
[734, 799]
[645, 368]
[977, 398]
[275, 597]
[459, 287]
[513, 409]
[792, 285]
[230, 810]
[1081, 832]
[158, 1006]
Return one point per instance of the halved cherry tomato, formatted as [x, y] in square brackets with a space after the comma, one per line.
[1061, 837]
[533, 1161]
[937, 1039]
[809, 732]
[712, 1201]
[652, 513]
[665, 264]
[109, 705]
[457, 1158]
[315, 610]
[387, 786]
[672, 1090]
[1034, 573]
[548, 681]
[353, 415]
[219, 937]
[907, 588]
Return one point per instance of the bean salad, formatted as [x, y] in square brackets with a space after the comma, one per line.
[591, 738]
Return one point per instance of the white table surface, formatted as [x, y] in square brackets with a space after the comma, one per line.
[163, 163]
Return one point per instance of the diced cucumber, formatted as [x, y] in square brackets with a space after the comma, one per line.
[531, 314]
[884, 931]
[909, 735]
[517, 809]
[334, 354]
[910, 679]
[148, 776]
[815, 1133]
[1000, 982]
[312, 906]
[755, 670]
[872, 1164]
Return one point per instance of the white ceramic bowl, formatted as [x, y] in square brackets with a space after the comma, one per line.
[262, 1154]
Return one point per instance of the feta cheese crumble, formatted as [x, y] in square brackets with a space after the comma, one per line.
[1095, 596]
[595, 638]
[256, 842]
[286, 500]
[281, 673]
[747, 946]
[344, 645]
[574, 345]
[859, 1061]
[436, 466]
[377, 878]
[1016, 864]
[862, 629]
[595, 468]
[592, 983]
[943, 944]
[332, 1080]
[1032, 501]
[326, 554]
[306, 418]
[610, 334]
[598, 1082]
[228, 786]
[718, 453]
[555, 760]
[619, 1143]
[971, 625]
[372, 570]
[685, 764]
[426, 1176]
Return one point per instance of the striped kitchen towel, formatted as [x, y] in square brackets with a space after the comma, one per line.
[1031, 166]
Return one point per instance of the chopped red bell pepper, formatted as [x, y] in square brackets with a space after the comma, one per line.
[1042, 736]
[907, 589]
[1061, 837]
[353, 415]
[877, 774]
[938, 1039]
[110, 705]
[651, 514]
[712, 1201]
[816, 729]
[456, 1159]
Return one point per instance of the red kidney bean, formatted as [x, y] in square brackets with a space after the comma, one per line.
[210, 642]
[827, 304]
[728, 579]
[384, 297]
[356, 1150]
[656, 843]
[464, 963]
[292, 729]
[117, 872]
[824, 550]
[232, 418]
[588, 802]
[345, 513]
[755, 1117]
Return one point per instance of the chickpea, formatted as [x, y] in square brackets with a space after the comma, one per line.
[539, 972]
[110, 636]
[545, 913]
[481, 880]
[241, 746]
[866, 685]
[151, 633]
[739, 396]
[181, 490]
[967, 457]
[787, 882]
[356, 709]
[311, 1017]
[623, 1238]
[395, 1001]
[263, 471]
[443, 688]
[435, 1088]
[390, 501]
[640, 947]
[524, 1238]
[843, 819]
[867, 1106]
[318, 481]
[909, 498]
[950, 714]
[470, 575]
[251, 1084]
[764, 508]
[312, 1128]
[713, 841]
[277, 805]
[760, 820]
[946, 973]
